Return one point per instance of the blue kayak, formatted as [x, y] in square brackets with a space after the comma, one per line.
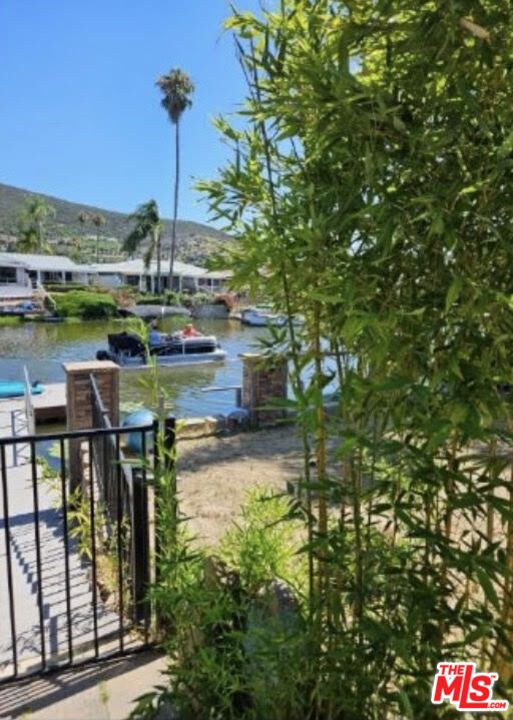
[17, 389]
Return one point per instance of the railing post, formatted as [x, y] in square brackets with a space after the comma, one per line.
[13, 433]
[264, 380]
[79, 405]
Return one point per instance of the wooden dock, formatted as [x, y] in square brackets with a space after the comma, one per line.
[50, 406]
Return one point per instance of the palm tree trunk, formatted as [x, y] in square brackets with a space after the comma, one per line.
[158, 250]
[98, 245]
[40, 236]
[175, 210]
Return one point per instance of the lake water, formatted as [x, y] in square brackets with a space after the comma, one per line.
[44, 347]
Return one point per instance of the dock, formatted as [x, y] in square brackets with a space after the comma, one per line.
[50, 406]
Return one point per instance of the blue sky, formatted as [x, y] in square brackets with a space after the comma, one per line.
[79, 113]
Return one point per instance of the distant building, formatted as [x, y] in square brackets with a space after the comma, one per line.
[25, 270]
[22, 272]
[185, 276]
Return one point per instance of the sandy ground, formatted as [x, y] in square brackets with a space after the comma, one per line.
[215, 473]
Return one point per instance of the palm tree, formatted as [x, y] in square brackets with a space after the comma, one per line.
[148, 226]
[98, 220]
[177, 89]
[31, 225]
[75, 252]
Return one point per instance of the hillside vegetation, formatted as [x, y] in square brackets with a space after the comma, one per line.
[195, 241]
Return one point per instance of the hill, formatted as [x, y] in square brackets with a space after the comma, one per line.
[195, 241]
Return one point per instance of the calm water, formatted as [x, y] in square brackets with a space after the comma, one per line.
[44, 347]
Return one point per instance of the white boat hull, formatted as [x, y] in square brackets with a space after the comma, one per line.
[262, 320]
[127, 362]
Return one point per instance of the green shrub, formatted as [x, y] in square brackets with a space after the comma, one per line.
[200, 298]
[168, 298]
[85, 304]
[67, 287]
[234, 653]
[262, 545]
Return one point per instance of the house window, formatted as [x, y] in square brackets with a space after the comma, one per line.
[132, 280]
[7, 275]
[69, 277]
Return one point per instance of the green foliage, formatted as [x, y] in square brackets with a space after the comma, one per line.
[200, 298]
[68, 287]
[85, 304]
[234, 652]
[146, 228]
[263, 545]
[177, 90]
[7, 321]
[370, 191]
[31, 225]
[168, 298]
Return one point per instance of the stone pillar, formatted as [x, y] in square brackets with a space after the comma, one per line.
[79, 408]
[264, 380]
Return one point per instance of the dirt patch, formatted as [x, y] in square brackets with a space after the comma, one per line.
[215, 472]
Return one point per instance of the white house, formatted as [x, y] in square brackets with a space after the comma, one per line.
[21, 272]
[135, 273]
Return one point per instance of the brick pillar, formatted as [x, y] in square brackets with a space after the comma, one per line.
[78, 404]
[263, 380]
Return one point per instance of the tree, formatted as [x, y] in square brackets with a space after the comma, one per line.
[98, 220]
[76, 253]
[371, 191]
[31, 225]
[177, 89]
[148, 226]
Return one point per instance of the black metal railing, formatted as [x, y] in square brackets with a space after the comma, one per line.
[75, 564]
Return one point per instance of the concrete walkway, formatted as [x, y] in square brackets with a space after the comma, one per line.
[100, 691]
[26, 581]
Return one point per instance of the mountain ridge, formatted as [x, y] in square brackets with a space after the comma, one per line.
[195, 241]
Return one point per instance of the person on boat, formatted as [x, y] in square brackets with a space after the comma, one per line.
[190, 331]
[155, 338]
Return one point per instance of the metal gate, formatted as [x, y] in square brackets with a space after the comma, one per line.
[75, 559]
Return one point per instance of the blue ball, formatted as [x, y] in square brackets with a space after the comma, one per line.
[134, 440]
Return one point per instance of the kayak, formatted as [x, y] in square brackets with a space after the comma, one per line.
[10, 389]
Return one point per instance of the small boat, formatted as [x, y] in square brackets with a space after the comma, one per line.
[263, 315]
[11, 389]
[128, 351]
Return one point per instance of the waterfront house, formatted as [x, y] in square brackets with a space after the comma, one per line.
[185, 276]
[21, 273]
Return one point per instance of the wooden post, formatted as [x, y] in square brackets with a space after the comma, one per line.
[79, 407]
[264, 380]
